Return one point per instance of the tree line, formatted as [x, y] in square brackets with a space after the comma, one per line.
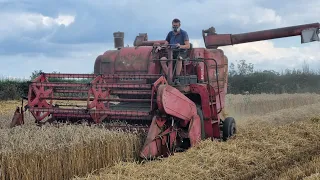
[243, 78]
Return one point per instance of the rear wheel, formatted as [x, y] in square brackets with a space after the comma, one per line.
[228, 128]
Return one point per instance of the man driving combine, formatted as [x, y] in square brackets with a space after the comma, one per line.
[180, 39]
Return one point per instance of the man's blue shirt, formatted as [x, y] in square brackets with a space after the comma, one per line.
[177, 38]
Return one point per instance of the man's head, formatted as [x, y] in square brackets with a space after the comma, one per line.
[176, 25]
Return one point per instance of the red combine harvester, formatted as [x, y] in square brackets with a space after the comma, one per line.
[129, 85]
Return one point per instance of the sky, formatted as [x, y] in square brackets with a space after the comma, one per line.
[67, 36]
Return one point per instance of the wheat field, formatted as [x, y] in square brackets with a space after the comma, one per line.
[278, 138]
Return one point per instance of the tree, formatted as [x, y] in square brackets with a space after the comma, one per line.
[232, 71]
[35, 74]
[244, 68]
[305, 68]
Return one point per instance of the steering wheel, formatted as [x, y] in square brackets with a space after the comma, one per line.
[172, 46]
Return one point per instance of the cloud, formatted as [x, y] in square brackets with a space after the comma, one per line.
[258, 15]
[46, 32]
[28, 33]
[97, 20]
[295, 12]
[60, 20]
[265, 55]
[19, 23]
[79, 59]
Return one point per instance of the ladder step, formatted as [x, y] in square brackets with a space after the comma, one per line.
[215, 80]
[214, 121]
[212, 103]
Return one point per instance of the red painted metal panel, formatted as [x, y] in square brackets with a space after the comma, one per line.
[152, 145]
[110, 117]
[151, 43]
[176, 104]
[272, 33]
[107, 76]
[218, 40]
[104, 64]
[215, 40]
[99, 99]
[133, 59]
[140, 86]
[88, 111]
[202, 90]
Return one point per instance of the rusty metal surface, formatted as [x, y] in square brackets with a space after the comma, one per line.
[53, 110]
[103, 62]
[118, 39]
[150, 43]
[215, 40]
[271, 34]
[99, 99]
[129, 75]
[43, 94]
[218, 40]
[133, 59]
[66, 84]
[126, 60]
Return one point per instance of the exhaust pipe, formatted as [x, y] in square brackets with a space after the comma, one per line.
[118, 40]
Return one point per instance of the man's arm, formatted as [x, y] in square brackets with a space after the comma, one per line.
[186, 41]
[168, 38]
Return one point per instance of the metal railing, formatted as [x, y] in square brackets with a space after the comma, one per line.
[171, 75]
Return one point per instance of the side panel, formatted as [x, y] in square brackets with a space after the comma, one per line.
[197, 67]
[104, 64]
[133, 60]
[217, 79]
[217, 71]
[125, 60]
[202, 90]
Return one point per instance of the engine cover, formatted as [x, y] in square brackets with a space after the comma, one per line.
[126, 60]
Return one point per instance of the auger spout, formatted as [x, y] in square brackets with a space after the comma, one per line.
[308, 33]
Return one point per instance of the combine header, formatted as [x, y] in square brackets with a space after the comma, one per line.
[129, 86]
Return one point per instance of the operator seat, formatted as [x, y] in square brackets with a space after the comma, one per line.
[189, 50]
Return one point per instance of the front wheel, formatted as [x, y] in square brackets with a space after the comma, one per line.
[228, 128]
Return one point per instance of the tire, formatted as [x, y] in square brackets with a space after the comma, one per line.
[200, 113]
[229, 128]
